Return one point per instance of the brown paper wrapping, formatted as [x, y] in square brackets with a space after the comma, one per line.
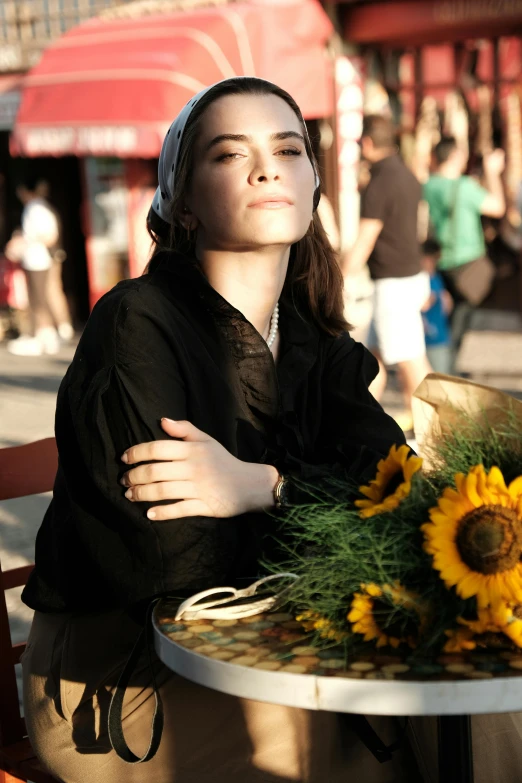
[441, 403]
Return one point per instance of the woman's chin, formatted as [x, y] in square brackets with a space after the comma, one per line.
[275, 239]
[276, 235]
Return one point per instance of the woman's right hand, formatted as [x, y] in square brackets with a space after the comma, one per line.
[198, 474]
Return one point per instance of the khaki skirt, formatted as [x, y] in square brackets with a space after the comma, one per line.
[70, 670]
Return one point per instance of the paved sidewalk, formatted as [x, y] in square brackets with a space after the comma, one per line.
[28, 388]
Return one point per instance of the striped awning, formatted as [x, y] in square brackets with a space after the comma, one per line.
[113, 86]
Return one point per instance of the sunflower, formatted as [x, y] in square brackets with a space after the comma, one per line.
[508, 617]
[312, 621]
[376, 614]
[504, 619]
[475, 537]
[391, 484]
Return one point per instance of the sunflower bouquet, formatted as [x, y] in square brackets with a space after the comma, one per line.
[426, 555]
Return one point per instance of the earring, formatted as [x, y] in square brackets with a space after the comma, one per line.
[189, 233]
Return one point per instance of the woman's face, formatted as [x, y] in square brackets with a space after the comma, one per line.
[252, 183]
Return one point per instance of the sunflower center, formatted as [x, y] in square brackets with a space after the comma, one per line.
[517, 612]
[490, 539]
[393, 484]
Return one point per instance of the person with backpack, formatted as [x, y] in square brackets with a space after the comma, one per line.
[456, 204]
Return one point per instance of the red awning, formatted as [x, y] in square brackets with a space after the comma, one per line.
[419, 21]
[112, 87]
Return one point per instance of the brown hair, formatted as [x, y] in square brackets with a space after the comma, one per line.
[445, 147]
[314, 280]
[380, 130]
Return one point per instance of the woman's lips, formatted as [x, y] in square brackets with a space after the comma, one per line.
[271, 204]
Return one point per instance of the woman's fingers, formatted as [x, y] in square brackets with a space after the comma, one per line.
[157, 471]
[155, 450]
[185, 508]
[164, 490]
[183, 429]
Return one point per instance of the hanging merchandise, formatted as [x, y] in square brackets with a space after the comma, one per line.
[427, 135]
[456, 119]
[484, 137]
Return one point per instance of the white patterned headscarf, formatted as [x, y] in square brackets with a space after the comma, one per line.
[168, 162]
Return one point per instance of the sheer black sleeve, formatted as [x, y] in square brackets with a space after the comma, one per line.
[355, 432]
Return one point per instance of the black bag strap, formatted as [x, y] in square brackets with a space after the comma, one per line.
[356, 723]
[453, 214]
[360, 726]
[116, 736]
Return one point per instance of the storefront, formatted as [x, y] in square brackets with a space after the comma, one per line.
[10, 96]
[436, 67]
[107, 91]
[444, 65]
[63, 179]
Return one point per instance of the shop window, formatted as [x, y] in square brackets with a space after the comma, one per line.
[509, 55]
[107, 223]
[407, 70]
[438, 64]
[485, 68]
[408, 108]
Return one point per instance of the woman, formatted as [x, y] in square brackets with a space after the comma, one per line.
[32, 248]
[252, 401]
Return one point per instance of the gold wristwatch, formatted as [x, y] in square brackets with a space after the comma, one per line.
[281, 492]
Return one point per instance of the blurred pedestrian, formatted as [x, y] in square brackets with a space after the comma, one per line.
[32, 249]
[435, 313]
[456, 203]
[56, 295]
[388, 242]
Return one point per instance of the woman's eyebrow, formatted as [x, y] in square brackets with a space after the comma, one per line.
[280, 136]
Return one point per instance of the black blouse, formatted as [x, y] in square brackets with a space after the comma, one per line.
[167, 344]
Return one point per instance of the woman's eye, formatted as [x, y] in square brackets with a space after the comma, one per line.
[290, 151]
[229, 156]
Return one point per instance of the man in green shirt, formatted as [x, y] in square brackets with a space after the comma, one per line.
[456, 204]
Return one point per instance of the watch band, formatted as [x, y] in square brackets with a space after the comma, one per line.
[280, 492]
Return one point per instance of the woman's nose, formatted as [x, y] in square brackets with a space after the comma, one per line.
[265, 170]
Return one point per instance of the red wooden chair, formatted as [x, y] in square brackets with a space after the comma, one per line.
[24, 470]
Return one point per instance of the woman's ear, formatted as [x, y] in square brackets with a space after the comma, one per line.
[188, 220]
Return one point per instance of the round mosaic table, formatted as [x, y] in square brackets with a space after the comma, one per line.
[269, 658]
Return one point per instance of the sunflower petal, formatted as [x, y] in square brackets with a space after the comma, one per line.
[496, 479]
[469, 586]
[471, 489]
[412, 466]
[515, 489]
[453, 510]
[460, 479]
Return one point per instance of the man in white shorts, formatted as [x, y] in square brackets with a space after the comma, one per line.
[388, 242]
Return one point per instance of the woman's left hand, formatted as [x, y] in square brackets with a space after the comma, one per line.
[198, 474]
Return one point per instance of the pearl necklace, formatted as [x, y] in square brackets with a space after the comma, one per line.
[274, 324]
